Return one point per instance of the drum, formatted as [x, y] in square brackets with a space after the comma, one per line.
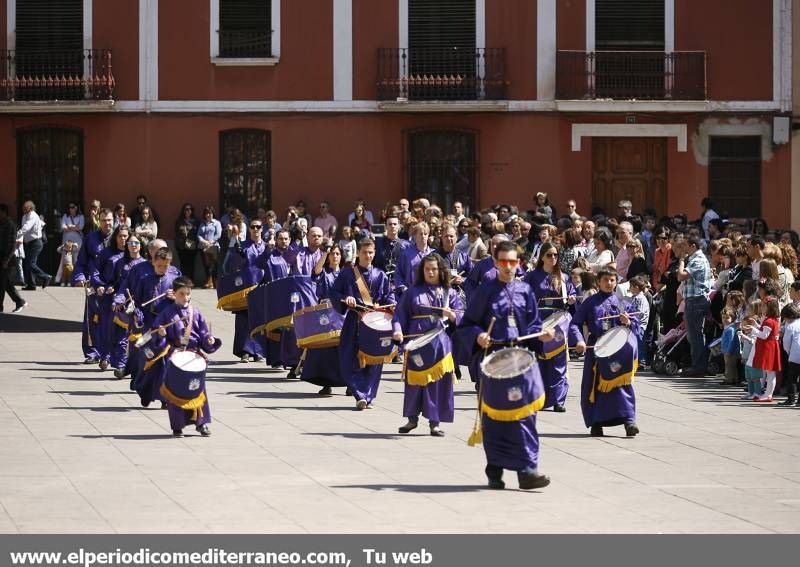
[375, 344]
[559, 321]
[122, 319]
[184, 380]
[233, 288]
[511, 385]
[283, 298]
[318, 326]
[616, 353]
[430, 353]
[257, 309]
[715, 347]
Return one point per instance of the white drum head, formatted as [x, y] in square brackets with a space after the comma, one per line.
[507, 363]
[611, 342]
[378, 320]
[555, 320]
[420, 342]
[188, 361]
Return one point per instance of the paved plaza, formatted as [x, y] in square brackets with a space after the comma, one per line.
[79, 454]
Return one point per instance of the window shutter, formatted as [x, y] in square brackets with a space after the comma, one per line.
[239, 15]
[629, 25]
[734, 175]
[441, 24]
[49, 25]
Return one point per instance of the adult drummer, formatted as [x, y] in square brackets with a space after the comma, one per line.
[274, 264]
[554, 292]
[428, 383]
[511, 304]
[486, 269]
[606, 401]
[248, 253]
[302, 259]
[360, 285]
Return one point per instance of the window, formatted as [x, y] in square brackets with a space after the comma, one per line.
[245, 170]
[442, 167]
[734, 175]
[244, 29]
[629, 25]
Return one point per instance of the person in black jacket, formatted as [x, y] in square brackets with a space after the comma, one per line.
[8, 242]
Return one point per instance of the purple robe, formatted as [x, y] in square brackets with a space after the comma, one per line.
[198, 341]
[407, 263]
[618, 406]
[414, 316]
[129, 281]
[275, 268]
[104, 276]
[248, 255]
[321, 366]
[120, 345]
[387, 254]
[363, 381]
[483, 271]
[301, 259]
[85, 265]
[554, 368]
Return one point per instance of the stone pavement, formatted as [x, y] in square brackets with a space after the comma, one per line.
[79, 454]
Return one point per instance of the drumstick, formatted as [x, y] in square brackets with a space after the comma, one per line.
[148, 302]
[615, 316]
[531, 336]
[356, 306]
[443, 308]
[404, 336]
[385, 306]
[477, 435]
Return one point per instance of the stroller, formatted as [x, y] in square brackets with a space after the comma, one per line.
[673, 353]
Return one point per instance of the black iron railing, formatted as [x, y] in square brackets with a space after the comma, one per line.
[626, 75]
[441, 74]
[245, 43]
[78, 74]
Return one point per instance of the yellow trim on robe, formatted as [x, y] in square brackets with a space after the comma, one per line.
[552, 353]
[133, 337]
[195, 405]
[152, 361]
[365, 359]
[606, 385]
[236, 301]
[432, 374]
[282, 323]
[313, 341]
[119, 323]
[95, 318]
[513, 414]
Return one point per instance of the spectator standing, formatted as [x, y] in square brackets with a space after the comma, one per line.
[601, 256]
[542, 211]
[32, 238]
[360, 221]
[209, 232]
[186, 239]
[326, 221]
[638, 263]
[8, 237]
[72, 224]
[236, 230]
[587, 233]
[121, 216]
[624, 236]
[458, 212]
[366, 213]
[147, 228]
[624, 211]
[348, 245]
[136, 214]
[708, 215]
[695, 273]
[92, 219]
[570, 251]
[302, 212]
[661, 258]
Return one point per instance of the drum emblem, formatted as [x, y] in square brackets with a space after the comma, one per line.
[514, 394]
[194, 384]
[615, 367]
[238, 281]
[559, 336]
[148, 353]
[324, 320]
[294, 298]
[417, 360]
[386, 342]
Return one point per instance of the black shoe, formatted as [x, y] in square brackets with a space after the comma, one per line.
[90, 360]
[790, 401]
[47, 281]
[558, 408]
[597, 431]
[436, 432]
[29, 288]
[163, 405]
[348, 391]
[325, 391]
[20, 307]
[204, 430]
[496, 484]
[177, 433]
[119, 373]
[291, 375]
[258, 358]
[631, 430]
[534, 480]
[145, 403]
[407, 427]
[104, 365]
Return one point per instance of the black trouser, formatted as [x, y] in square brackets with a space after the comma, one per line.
[6, 287]
[792, 378]
[187, 258]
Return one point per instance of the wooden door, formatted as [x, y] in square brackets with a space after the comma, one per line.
[629, 168]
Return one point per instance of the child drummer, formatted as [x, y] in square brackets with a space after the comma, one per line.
[181, 326]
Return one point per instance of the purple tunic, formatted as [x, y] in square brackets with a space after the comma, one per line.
[85, 265]
[301, 259]
[406, 273]
[414, 316]
[363, 381]
[242, 343]
[618, 406]
[387, 253]
[198, 341]
[104, 276]
[275, 268]
[321, 366]
[552, 367]
[483, 271]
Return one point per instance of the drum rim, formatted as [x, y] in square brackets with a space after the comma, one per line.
[311, 308]
[178, 354]
[614, 330]
[429, 335]
[378, 315]
[489, 357]
[561, 313]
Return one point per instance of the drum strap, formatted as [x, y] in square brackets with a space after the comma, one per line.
[363, 290]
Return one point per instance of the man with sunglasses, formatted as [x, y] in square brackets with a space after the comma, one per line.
[326, 221]
[502, 310]
[486, 269]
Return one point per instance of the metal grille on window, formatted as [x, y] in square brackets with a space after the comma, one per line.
[734, 175]
[245, 28]
[442, 167]
[245, 170]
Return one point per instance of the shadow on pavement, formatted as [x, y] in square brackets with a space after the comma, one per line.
[276, 395]
[93, 369]
[358, 435]
[425, 488]
[565, 435]
[90, 392]
[112, 409]
[25, 324]
[44, 363]
[304, 408]
[77, 378]
[140, 437]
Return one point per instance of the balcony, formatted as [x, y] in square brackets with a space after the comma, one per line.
[441, 74]
[56, 76]
[631, 75]
[239, 44]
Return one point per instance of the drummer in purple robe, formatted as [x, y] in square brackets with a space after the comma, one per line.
[410, 258]
[606, 401]
[188, 331]
[321, 365]
[247, 254]
[485, 269]
[274, 264]
[428, 374]
[85, 265]
[389, 247]
[511, 305]
[554, 292]
[121, 326]
[360, 285]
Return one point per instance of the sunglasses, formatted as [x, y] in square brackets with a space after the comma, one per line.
[255, 226]
[323, 206]
[507, 263]
[134, 243]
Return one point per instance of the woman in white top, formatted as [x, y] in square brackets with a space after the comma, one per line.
[72, 223]
[602, 255]
[147, 229]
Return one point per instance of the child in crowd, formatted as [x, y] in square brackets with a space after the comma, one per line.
[348, 245]
[767, 349]
[790, 316]
[588, 285]
[69, 256]
[577, 280]
[734, 301]
[794, 293]
[731, 350]
[638, 286]
[753, 375]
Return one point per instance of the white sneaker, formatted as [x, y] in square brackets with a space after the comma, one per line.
[20, 307]
[361, 404]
